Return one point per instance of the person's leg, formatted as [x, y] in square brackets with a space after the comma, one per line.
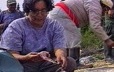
[31, 67]
[71, 65]
[8, 63]
[112, 38]
[107, 51]
[75, 53]
[51, 67]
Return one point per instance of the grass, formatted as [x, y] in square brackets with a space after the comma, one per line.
[89, 39]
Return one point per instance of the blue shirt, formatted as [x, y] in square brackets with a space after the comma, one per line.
[7, 17]
[22, 36]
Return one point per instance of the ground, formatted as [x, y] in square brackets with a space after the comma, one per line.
[99, 66]
[99, 63]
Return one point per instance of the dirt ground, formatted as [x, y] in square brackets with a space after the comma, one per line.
[102, 63]
[99, 66]
[99, 63]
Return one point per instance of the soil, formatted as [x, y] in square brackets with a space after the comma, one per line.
[100, 65]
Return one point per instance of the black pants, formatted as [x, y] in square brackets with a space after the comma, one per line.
[46, 66]
[109, 28]
[108, 52]
[74, 53]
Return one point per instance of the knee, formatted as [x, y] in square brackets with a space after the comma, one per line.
[71, 64]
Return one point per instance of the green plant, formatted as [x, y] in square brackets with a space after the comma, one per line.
[89, 39]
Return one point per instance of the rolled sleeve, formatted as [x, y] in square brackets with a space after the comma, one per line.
[12, 38]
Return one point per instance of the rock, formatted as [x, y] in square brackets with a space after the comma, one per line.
[87, 60]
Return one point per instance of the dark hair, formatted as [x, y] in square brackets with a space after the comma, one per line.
[113, 4]
[29, 5]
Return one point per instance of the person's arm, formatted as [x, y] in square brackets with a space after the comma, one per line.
[95, 16]
[61, 57]
[59, 44]
[60, 52]
[111, 13]
[1, 26]
[94, 11]
[30, 57]
[1, 21]
[20, 57]
[12, 40]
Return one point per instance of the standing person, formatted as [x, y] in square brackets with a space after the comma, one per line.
[35, 40]
[74, 14]
[109, 27]
[7, 16]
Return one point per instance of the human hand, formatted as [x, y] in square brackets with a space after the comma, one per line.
[111, 13]
[44, 55]
[36, 57]
[109, 43]
[61, 57]
[62, 61]
[33, 57]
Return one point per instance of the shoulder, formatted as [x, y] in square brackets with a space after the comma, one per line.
[50, 21]
[18, 22]
[20, 12]
[92, 2]
[17, 25]
[92, 6]
[4, 12]
[54, 24]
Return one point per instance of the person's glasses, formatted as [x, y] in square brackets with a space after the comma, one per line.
[43, 11]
